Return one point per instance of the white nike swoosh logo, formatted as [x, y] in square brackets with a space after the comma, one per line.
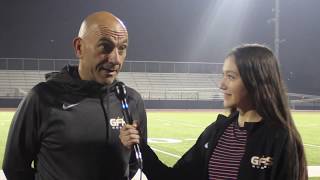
[206, 145]
[68, 106]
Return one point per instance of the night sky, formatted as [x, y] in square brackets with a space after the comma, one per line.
[172, 30]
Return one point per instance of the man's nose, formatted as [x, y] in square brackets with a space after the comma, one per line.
[114, 57]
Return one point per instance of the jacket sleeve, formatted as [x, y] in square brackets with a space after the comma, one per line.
[189, 167]
[22, 142]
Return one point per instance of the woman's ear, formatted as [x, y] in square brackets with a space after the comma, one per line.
[77, 46]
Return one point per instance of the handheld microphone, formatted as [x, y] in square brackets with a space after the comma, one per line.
[122, 95]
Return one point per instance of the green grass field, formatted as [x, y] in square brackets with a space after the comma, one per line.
[186, 126]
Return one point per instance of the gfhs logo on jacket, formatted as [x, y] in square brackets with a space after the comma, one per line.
[117, 123]
[261, 162]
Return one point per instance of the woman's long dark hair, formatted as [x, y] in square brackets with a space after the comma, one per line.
[259, 71]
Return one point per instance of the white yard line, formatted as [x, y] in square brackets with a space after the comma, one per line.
[312, 145]
[167, 153]
[193, 139]
[180, 123]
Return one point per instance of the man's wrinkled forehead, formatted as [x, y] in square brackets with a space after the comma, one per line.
[117, 31]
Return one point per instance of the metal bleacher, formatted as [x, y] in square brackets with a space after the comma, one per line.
[16, 83]
[173, 86]
[154, 80]
[152, 86]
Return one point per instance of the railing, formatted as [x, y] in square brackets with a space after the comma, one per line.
[129, 65]
[31, 69]
[200, 93]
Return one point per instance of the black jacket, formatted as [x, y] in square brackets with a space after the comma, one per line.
[265, 157]
[69, 129]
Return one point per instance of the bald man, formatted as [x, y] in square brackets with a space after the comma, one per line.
[67, 128]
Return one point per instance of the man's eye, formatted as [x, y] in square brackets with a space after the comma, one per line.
[107, 47]
[123, 47]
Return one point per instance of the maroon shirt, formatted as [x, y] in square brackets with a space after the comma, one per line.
[225, 160]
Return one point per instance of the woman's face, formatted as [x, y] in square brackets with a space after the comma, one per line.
[235, 93]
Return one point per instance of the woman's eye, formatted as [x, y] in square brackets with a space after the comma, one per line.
[230, 77]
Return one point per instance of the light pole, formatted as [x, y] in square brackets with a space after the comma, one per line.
[276, 28]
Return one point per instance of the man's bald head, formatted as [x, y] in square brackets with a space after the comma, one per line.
[101, 47]
[102, 20]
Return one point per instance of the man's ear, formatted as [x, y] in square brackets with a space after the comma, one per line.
[77, 46]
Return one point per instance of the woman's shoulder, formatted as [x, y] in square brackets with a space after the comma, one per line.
[221, 122]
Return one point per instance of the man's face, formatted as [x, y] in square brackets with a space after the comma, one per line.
[103, 51]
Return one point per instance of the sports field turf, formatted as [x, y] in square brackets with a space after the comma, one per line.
[182, 128]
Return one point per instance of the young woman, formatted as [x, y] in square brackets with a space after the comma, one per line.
[257, 141]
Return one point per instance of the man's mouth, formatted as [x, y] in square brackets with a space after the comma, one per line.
[109, 72]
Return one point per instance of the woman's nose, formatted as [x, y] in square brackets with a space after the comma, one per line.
[222, 84]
